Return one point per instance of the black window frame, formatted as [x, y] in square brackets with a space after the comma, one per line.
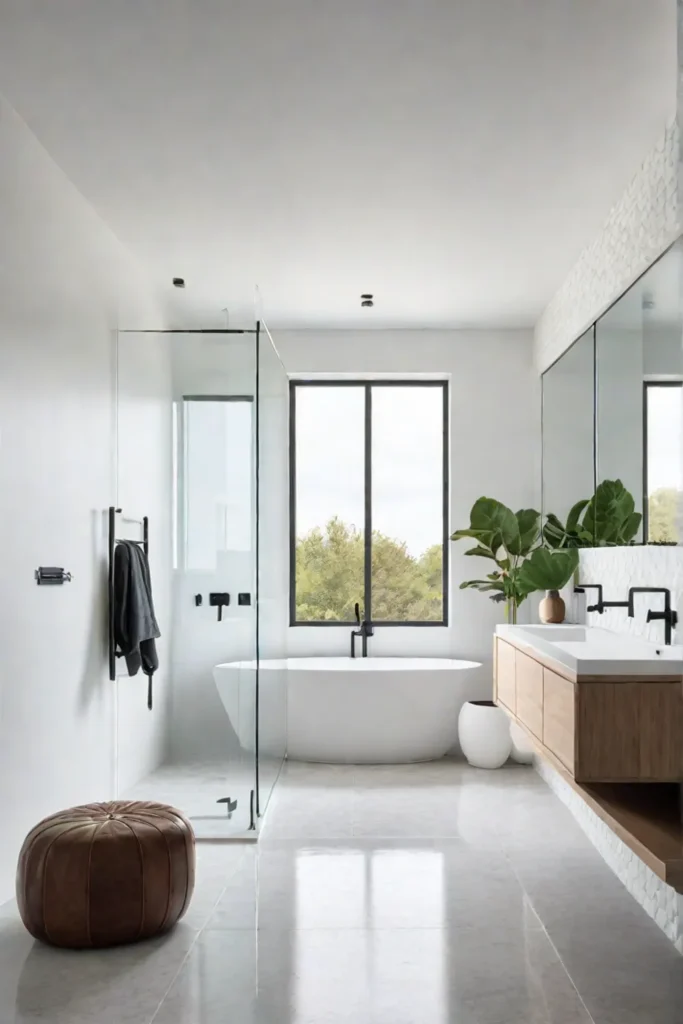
[368, 385]
[647, 384]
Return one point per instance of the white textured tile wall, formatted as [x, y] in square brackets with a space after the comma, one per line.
[617, 569]
[640, 226]
[662, 903]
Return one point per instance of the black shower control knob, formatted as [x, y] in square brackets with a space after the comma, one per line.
[220, 601]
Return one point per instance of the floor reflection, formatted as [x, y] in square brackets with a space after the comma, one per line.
[442, 896]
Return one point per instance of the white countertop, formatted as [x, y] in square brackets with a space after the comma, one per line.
[595, 652]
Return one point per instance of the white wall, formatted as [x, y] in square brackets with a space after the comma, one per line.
[494, 450]
[144, 487]
[65, 286]
[662, 350]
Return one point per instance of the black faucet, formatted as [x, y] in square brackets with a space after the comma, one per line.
[364, 631]
[668, 616]
[601, 603]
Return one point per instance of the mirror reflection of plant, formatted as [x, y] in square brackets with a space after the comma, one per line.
[608, 519]
[512, 540]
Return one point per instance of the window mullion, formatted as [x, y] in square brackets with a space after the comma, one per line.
[368, 504]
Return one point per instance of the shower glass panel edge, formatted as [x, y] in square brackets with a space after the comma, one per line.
[272, 563]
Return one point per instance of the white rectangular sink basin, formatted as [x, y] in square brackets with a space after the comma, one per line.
[597, 652]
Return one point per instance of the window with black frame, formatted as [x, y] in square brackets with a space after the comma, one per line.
[663, 436]
[369, 502]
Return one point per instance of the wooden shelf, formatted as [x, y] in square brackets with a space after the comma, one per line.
[646, 817]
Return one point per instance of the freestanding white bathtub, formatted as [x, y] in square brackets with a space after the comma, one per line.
[365, 710]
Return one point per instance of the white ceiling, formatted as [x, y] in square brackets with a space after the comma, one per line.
[451, 156]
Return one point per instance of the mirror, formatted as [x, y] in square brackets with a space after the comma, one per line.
[613, 406]
[568, 409]
[639, 373]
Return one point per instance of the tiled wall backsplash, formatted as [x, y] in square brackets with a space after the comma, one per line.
[617, 569]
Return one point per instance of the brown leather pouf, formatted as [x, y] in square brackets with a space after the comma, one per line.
[105, 874]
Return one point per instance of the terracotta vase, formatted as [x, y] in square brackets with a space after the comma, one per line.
[551, 608]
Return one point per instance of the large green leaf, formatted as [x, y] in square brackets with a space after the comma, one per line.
[528, 520]
[481, 552]
[497, 519]
[608, 519]
[607, 511]
[554, 533]
[548, 570]
[480, 535]
[483, 585]
[630, 528]
[575, 514]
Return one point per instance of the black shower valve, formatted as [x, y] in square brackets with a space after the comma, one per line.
[220, 601]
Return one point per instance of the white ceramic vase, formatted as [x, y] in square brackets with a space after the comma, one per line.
[522, 750]
[484, 733]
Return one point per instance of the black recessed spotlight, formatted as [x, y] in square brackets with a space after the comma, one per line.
[178, 282]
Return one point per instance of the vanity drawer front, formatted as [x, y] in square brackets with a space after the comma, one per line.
[506, 688]
[529, 679]
[559, 717]
[661, 736]
[630, 732]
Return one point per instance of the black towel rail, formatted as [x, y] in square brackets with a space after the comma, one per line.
[113, 539]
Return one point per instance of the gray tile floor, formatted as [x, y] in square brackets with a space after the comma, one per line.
[425, 894]
[194, 788]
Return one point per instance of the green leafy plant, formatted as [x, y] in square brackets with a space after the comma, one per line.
[548, 570]
[512, 541]
[608, 519]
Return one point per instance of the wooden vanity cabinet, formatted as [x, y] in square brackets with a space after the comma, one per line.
[598, 729]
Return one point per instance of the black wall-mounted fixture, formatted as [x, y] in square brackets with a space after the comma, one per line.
[367, 300]
[113, 540]
[178, 282]
[668, 616]
[230, 805]
[219, 601]
[601, 604]
[198, 600]
[51, 575]
[244, 599]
